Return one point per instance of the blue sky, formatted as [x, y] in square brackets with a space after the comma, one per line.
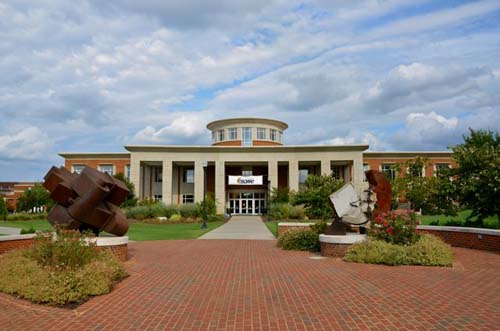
[398, 75]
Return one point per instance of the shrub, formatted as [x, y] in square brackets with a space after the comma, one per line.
[28, 230]
[429, 251]
[59, 269]
[26, 217]
[285, 211]
[3, 209]
[175, 218]
[319, 227]
[171, 210]
[211, 206]
[189, 210]
[216, 218]
[280, 195]
[314, 196]
[395, 227]
[138, 213]
[299, 240]
[158, 209]
[131, 200]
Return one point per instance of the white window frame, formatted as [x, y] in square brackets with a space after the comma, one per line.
[107, 165]
[232, 134]
[247, 141]
[393, 171]
[127, 171]
[186, 178]
[214, 136]
[220, 135]
[158, 197]
[187, 198]
[440, 163]
[74, 166]
[366, 167]
[157, 173]
[273, 135]
[261, 133]
[247, 171]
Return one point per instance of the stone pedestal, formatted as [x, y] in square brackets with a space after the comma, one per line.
[337, 245]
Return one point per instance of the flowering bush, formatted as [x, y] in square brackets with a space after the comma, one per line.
[395, 227]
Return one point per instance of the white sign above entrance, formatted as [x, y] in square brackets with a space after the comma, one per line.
[245, 180]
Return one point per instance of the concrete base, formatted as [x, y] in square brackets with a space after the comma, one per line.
[337, 245]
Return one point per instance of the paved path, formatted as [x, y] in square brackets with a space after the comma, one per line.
[253, 285]
[241, 227]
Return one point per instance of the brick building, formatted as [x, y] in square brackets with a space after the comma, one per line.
[246, 159]
[10, 192]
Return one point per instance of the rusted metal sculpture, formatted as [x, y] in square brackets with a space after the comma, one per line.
[88, 201]
[352, 210]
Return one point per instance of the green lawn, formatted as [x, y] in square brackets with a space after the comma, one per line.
[273, 227]
[137, 231]
[490, 222]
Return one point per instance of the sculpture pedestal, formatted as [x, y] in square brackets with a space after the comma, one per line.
[337, 245]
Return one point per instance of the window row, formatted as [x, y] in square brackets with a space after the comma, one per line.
[390, 171]
[106, 168]
[247, 135]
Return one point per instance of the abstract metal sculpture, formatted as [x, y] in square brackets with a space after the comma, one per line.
[358, 211]
[88, 201]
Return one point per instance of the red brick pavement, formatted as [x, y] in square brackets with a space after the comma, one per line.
[252, 285]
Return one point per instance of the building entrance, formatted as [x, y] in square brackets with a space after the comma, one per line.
[246, 203]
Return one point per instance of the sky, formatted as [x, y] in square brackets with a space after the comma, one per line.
[93, 76]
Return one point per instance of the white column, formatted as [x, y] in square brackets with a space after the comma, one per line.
[166, 187]
[357, 172]
[220, 187]
[135, 175]
[293, 175]
[272, 172]
[326, 168]
[199, 181]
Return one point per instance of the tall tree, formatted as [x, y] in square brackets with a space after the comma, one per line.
[3, 209]
[478, 173]
[131, 199]
[34, 197]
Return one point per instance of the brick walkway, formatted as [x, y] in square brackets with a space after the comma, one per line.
[226, 284]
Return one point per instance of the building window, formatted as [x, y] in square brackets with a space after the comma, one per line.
[220, 135]
[366, 167]
[188, 176]
[338, 172]
[107, 169]
[247, 137]
[440, 167]
[273, 134]
[280, 137]
[233, 133]
[303, 174]
[158, 197]
[187, 198]
[157, 174]
[247, 172]
[77, 168]
[261, 134]
[127, 171]
[214, 137]
[388, 170]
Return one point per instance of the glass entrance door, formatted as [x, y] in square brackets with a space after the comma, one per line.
[247, 203]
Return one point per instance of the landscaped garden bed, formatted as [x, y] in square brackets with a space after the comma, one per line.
[59, 269]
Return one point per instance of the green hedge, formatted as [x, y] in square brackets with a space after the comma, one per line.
[284, 211]
[299, 240]
[26, 217]
[428, 250]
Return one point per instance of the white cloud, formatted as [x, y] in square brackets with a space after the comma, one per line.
[28, 144]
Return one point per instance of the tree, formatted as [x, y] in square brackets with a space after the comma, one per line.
[34, 197]
[131, 200]
[3, 209]
[431, 195]
[478, 173]
[315, 194]
[280, 195]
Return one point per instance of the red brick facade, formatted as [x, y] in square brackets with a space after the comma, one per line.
[11, 191]
[474, 240]
[119, 164]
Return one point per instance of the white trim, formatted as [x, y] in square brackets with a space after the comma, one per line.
[17, 237]
[297, 224]
[491, 232]
[350, 238]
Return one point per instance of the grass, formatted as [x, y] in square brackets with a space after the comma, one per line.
[490, 222]
[137, 231]
[273, 227]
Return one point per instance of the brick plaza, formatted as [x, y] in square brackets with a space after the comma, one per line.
[252, 285]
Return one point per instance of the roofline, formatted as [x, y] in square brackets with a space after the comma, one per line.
[213, 125]
[83, 155]
[408, 153]
[143, 148]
